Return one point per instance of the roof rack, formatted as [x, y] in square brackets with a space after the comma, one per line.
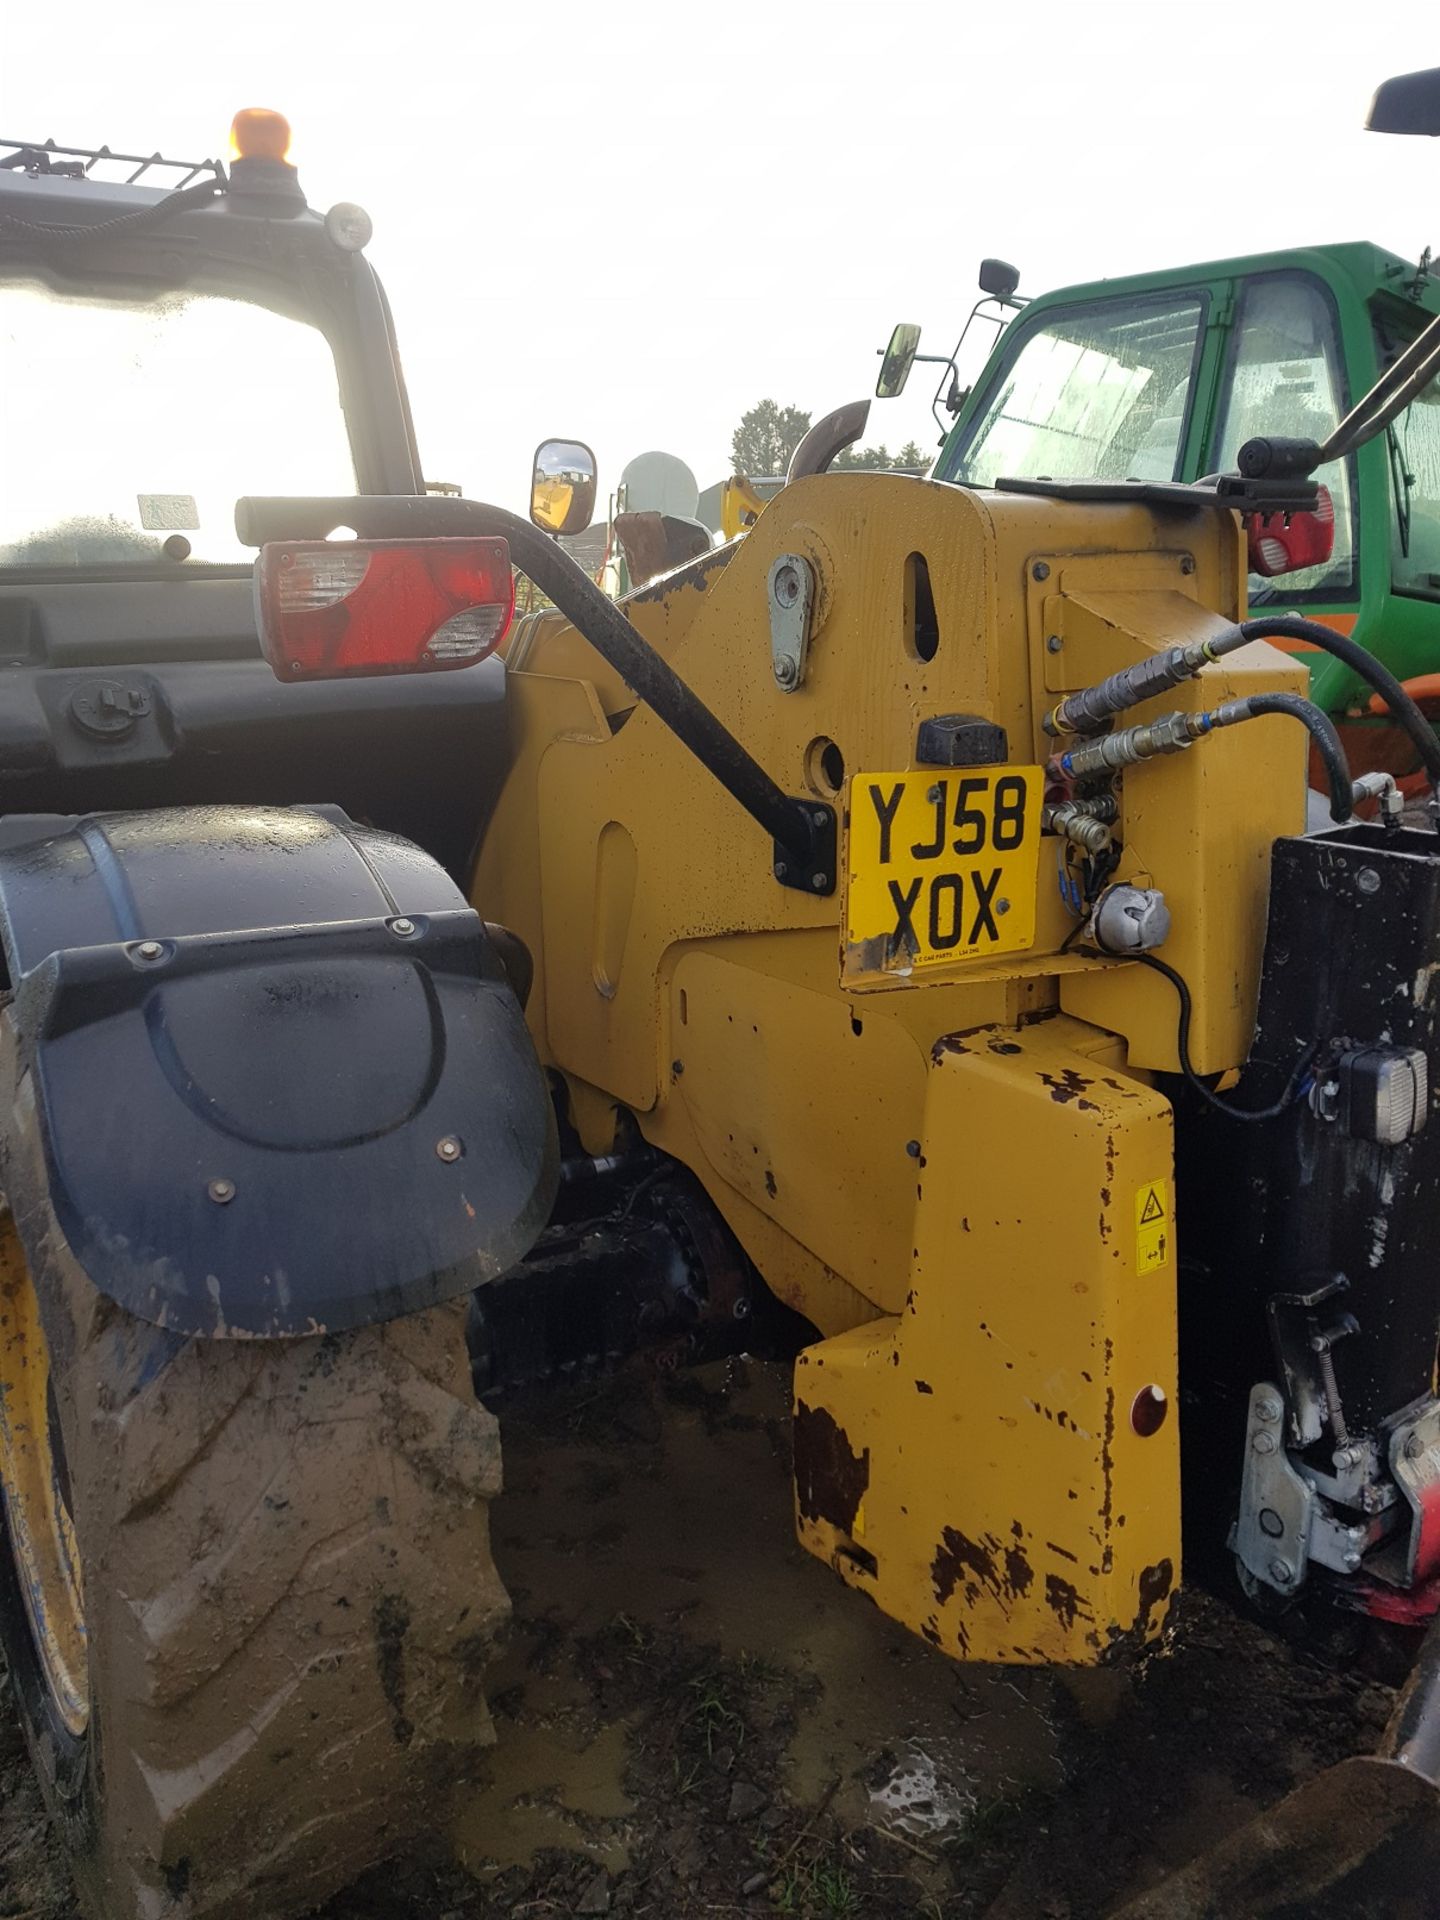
[78, 163]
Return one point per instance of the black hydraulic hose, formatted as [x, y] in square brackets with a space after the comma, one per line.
[1322, 731]
[403, 517]
[1342, 647]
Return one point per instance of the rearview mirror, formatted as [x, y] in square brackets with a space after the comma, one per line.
[562, 488]
[899, 358]
[1410, 103]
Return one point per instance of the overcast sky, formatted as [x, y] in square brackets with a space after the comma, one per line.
[629, 220]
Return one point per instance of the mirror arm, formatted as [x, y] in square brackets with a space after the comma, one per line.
[790, 822]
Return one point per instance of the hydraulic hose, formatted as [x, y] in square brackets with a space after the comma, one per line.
[1356, 657]
[1322, 731]
[1175, 732]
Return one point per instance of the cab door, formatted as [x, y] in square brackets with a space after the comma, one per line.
[1282, 373]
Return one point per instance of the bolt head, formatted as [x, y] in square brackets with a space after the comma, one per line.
[449, 1148]
[1268, 1409]
[1351, 1560]
[1368, 880]
[403, 927]
[1414, 1446]
[780, 869]
[819, 881]
[150, 950]
[820, 818]
[1263, 1443]
[222, 1192]
[1040, 570]
[912, 1147]
[1282, 1573]
[1002, 906]
[1053, 643]
[1187, 563]
[786, 669]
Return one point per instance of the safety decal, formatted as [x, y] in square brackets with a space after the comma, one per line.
[1152, 1226]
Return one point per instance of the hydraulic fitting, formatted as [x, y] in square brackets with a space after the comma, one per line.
[1074, 820]
[1088, 710]
[1111, 751]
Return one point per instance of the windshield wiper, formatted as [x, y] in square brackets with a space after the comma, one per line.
[1402, 482]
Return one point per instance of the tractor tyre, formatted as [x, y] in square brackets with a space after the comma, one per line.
[246, 1590]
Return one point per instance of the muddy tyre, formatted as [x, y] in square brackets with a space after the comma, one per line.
[246, 1591]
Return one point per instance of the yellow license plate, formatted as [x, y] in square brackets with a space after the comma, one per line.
[941, 865]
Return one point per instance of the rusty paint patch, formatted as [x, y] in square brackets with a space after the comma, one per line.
[955, 1557]
[830, 1477]
[1068, 1085]
[1004, 1046]
[1155, 1585]
[1019, 1573]
[1063, 1601]
[696, 573]
[923, 1386]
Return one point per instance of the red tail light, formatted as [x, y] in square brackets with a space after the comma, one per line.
[327, 608]
[1286, 542]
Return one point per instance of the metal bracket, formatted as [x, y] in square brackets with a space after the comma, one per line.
[816, 874]
[1271, 1535]
[791, 588]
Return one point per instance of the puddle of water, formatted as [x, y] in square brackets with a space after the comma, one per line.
[923, 1795]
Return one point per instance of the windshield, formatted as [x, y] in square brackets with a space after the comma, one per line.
[1098, 394]
[1413, 444]
[129, 422]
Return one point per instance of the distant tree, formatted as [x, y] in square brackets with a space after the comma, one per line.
[766, 437]
[880, 459]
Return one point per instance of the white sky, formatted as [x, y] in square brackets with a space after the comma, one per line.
[629, 220]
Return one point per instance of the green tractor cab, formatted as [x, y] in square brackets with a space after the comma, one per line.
[1164, 376]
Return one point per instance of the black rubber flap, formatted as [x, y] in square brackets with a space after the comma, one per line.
[282, 1081]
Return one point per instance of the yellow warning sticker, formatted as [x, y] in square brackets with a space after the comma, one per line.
[1152, 1226]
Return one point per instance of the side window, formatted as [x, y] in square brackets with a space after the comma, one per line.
[1099, 393]
[1284, 378]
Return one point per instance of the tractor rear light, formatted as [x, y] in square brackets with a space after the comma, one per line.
[327, 608]
[1286, 542]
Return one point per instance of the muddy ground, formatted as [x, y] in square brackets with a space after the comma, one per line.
[695, 1718]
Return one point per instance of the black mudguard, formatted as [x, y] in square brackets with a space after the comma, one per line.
[282, 1081]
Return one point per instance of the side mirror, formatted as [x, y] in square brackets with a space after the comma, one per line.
[562, 487]
[999, 279]
[899, 358]
[1410, 103]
